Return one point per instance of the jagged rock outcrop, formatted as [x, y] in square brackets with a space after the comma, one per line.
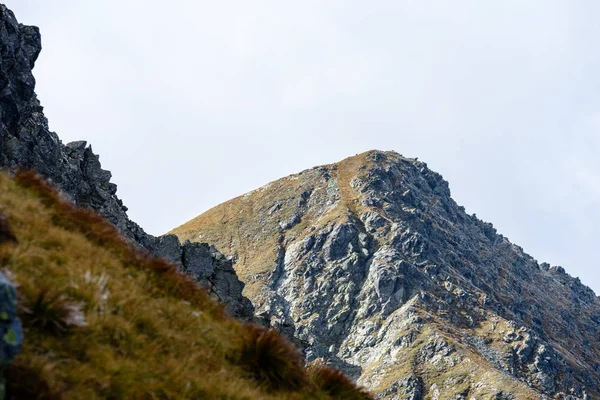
[11, 334]
[27, 142]
[370, 264]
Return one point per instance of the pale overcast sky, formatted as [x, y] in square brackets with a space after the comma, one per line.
[190, 103]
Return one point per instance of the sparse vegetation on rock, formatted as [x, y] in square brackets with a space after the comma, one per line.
[371, 266]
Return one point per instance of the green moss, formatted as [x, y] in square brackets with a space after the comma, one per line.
[11, 337]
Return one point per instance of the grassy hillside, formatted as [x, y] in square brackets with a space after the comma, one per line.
[102, 320]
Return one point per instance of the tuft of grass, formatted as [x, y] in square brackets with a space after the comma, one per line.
[271, 360]
[335, 383]
[51, 311]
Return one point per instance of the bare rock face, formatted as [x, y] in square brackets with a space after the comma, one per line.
[27, 142]
[370, 264]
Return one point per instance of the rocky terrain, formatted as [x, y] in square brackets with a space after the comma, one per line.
[369, 264]
[27, 142]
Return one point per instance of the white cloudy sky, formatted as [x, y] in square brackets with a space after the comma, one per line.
[190, 103]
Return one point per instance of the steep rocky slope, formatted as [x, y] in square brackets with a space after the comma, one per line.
[370, 264]
[27, 142]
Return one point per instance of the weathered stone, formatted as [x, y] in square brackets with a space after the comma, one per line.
[409, 388]
[169, 248]
[197, 260]
[11, 334]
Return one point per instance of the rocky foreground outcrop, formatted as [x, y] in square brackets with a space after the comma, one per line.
[11, 333]
[369, 264]
[26, 142]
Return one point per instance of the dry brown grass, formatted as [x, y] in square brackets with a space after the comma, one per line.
[50, 311]
[335, 383]
[102, 233]
[149, 332]
[271, 360]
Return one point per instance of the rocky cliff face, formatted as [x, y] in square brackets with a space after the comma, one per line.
[27, 142]
[370, 264]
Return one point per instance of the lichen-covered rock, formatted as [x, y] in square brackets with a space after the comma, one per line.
[383, 275]
[409, 388]
[11, 335]
[26, 142]
[213, 270]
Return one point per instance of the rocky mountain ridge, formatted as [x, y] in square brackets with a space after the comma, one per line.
[27, 142]
[369, 264]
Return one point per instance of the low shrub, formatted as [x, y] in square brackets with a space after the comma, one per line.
[271, 360]
[50, 311]
[335, 383]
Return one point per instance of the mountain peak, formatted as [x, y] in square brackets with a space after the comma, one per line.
[370, 264]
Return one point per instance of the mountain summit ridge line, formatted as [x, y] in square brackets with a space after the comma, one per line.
[368, 261]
